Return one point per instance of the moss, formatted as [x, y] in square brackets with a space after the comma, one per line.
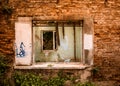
[85, 84]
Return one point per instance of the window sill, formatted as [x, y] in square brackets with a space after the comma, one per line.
[54, 65]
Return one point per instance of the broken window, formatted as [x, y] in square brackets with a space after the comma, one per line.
[59, 41]
[53, 41]
[48, 40]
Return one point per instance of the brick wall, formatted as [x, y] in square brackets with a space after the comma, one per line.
[106, 16]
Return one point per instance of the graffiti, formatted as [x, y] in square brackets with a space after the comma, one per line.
[21, 51]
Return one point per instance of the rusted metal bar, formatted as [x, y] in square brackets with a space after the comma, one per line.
[74, 41]
[57, 34]
[63, 30]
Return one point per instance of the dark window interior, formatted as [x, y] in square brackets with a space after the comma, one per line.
[48, 40]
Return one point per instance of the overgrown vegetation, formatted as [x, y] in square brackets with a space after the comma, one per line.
[5, 8]
[3, 70]
[3, 65]
[95, 70]
[86, 84]
[30, 79]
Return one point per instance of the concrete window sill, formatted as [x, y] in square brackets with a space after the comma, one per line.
[54, 65]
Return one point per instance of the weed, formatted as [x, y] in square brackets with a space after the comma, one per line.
[86, 84]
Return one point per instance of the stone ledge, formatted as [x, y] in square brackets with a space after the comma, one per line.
[52, 65]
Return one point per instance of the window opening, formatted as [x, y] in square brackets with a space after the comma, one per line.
[49, 40]
[58, 41]
[53, 41]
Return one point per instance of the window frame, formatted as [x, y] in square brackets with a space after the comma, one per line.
[57, 24]
[87, 25]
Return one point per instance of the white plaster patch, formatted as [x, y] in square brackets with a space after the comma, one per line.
[88, 41]
[23, 46]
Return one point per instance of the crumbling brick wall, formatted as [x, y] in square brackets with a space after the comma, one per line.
[106, 16]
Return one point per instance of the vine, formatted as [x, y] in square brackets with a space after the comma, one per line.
[7, 10]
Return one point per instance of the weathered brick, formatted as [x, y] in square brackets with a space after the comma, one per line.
[106, 26]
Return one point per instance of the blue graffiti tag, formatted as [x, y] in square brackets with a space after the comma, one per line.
[22, 51]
